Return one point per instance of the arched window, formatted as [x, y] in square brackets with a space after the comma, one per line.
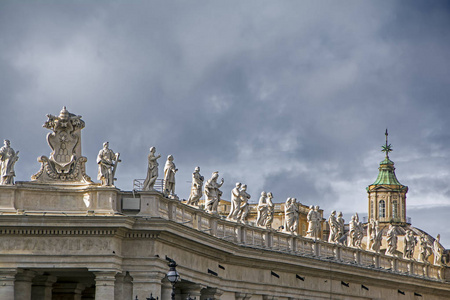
[382, 210]
[394, 209]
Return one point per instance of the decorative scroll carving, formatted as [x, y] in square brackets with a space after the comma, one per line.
[65, 163]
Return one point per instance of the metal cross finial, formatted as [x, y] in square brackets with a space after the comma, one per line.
[386, 148]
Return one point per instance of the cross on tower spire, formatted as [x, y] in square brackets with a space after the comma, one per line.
[386, 148]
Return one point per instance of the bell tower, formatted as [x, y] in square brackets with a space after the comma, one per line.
[387, 196]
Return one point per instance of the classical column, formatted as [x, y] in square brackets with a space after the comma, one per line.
[104, 284]
[166, 289]
[211, 294]
[42, 287]
[118, 287]
[192, 290]
[22, 286]
[127, 287]
[71, 290]
[146, 283]
[7, 278]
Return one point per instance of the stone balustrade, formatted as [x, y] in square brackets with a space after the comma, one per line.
[154, 205]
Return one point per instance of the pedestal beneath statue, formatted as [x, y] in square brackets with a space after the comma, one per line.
[32, 197]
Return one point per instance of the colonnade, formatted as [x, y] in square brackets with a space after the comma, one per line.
[37, 284]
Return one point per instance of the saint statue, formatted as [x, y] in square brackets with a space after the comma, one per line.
[270, 210]
[235, 202]
[244, 210]
[152, 171]
[425, 249]
[391, 239]
[262, 209]
[169, 177]
[438, 251]
[8, 159]
[107, 164]
[376, 237]
[408, 245]
[341, 228]
[213, 193]
[196, 188]
[334, 228]
[313, 219]
[291, 213]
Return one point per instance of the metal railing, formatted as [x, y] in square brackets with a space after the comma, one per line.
[138, 185]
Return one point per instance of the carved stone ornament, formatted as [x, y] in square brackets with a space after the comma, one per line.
[65, 163]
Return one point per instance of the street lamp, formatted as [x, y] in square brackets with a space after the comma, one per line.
[173, 276]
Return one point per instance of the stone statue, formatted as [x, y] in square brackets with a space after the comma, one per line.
[409, 245]
[152, 171]
[65, 162]
[107, 162]
[270, 210]
[359, 231]
[370, 234]
[353, 231]
[313, 219]
[196, 188]
[291, 213]
[425, 249]
[169, 177]
[391, 239]
[235, 202]
[213, 193]
[341, 229]
[334, 228]
[376, 237]
[262, 210]
[438, 251]
[244, 210]
[8, 159]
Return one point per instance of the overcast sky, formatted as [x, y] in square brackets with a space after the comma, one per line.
[291, 97]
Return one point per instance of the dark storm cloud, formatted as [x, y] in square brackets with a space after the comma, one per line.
[291, 97]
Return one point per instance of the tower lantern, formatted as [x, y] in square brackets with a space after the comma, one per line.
[387, 196]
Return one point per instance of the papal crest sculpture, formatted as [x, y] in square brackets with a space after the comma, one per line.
[65, 163]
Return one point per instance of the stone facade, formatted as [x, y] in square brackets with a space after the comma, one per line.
[111, 248]
[64, 237]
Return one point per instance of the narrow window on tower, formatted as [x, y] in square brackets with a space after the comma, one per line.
[382, 209]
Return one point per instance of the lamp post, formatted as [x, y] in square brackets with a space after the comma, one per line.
[173, 276]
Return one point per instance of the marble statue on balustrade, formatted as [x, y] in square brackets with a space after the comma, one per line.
[8, 158]
[341, 229]
[270, 210]
[424, 248]
[374, 236]
[196, 188]
[313, 219]
[169, 178]
[356, 232]
[409, 244]
[235, 202]
[65, 164]
[152, 170]
[438, 251]
[245, 209]
[107, 162]
[262, 209]
[334, 228]
[291, 213]
[391, 239]
[213, 193]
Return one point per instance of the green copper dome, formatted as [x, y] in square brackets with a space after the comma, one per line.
[386, 176]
